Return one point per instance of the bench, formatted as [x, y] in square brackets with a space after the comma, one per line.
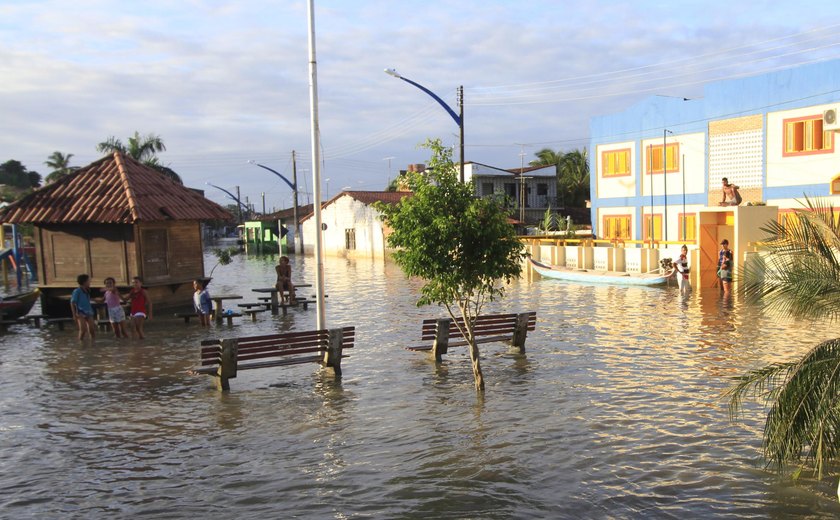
[253, 313]
[262, 305]
[508, 328]
[60, 322]
[186, 316]
[5, 324]
[223, 358]
[228, 316]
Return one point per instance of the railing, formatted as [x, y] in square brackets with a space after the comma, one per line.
[611, 242]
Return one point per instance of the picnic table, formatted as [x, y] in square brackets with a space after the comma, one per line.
[275, 300]
[217, 303]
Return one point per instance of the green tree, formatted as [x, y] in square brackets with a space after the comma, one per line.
[798, 274]
[59, 163]
[14, 173]
[462, 247]
[572, 174]
[143, 148]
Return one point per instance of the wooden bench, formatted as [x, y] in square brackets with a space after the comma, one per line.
[186, 316]
[261, 305]
[223, 358]
[508, 328]
[253, 313]
[60, 322]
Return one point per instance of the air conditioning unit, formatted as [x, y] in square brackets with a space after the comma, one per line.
[831, 121]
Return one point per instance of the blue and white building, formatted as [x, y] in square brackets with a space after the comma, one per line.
[657, 164]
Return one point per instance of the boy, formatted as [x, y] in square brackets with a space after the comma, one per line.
[284, 279]
[81, 307]
[201, 302]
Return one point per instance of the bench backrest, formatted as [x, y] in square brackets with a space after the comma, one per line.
[485, 325]
[275, 345]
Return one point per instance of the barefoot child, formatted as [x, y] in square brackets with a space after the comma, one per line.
[284, 279]
[81, 307]
[116, 314]
[201, 302]
[141, 307]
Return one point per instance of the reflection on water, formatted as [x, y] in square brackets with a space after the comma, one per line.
[613, 412]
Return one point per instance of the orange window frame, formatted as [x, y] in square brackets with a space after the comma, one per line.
[653, 164]
[657, 226]
[615, 163]
[690, 220]
[616, 226]
[834, 187]
[805, 136]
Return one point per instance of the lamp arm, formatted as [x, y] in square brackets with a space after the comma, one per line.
[436, 98]
[292, 186]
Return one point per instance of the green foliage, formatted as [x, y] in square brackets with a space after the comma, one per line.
[143, 148]
[15, 174]
[549, 221]
[59, 163]
[225, 257]
[798, 274]
[572, 174]
[459, 245]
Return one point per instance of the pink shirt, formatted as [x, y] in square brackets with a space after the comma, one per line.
[112, 299]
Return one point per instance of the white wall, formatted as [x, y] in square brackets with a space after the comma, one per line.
[802, 169]
[693, 148]
[347, 213]
[623, 186]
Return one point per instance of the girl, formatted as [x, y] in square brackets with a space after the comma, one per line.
[681, 266]
[201, 302]
[141, 307]
[116, 314]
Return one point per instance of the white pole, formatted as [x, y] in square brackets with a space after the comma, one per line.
[321, 320]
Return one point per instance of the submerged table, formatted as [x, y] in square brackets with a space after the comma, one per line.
[275, 303]
[218, 303]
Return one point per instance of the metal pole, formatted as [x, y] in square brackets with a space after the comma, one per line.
[316, 171]
[665, 178]
[238, 207]
[298, 236]
[263, 203]
[685, 216]
[461, 127]
[650, 172]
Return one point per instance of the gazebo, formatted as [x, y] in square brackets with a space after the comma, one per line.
[117, 217]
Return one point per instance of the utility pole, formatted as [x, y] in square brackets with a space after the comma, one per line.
[238, 206]
[263, 201]
[298, 238]
[461, 125]
[521, 183]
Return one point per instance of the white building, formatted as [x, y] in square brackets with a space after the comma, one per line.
[539, 183]
[353, 227]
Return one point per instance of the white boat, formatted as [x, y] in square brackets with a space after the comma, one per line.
[592, 276]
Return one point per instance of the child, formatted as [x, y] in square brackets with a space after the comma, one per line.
[201, 302]
[284, 280]
[116, 314]
[81, 307]
[141, 306]
[726, 274]
[681, 267]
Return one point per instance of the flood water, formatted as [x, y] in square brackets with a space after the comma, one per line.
[614, 412]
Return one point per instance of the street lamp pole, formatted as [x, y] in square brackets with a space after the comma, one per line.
[233, 197]
[320, 307]
[459, 119]
[293, 185]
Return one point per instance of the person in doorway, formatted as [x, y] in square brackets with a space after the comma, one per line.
[681, 270]
[731, 197]
[141, 307]
[116, 314]
[726, 274]
[81, 307]
[202, 303]
[722, 255]
[284, 280]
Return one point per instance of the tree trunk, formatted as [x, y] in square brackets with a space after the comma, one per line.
[476, 366]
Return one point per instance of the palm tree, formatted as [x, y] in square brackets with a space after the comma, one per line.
[799, 275]
[141, 148]
[574, 176]
[60, 165]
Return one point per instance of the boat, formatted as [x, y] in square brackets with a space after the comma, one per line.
[18, 305]
[593, 276]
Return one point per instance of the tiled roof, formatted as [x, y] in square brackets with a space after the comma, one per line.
[289, 213]
[113, 190]
[366, 197]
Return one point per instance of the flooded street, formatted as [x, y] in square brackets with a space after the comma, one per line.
[614, 412]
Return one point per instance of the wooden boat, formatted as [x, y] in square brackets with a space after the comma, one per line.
[591, 276]
[18, 305]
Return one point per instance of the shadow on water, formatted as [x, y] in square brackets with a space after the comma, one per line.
[613, 412]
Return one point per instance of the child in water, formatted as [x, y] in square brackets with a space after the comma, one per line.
[201, 302]
[116, 314]
[141, 307]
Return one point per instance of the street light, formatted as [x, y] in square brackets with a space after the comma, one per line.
[233, 197]
[293, 185]
[459, 119]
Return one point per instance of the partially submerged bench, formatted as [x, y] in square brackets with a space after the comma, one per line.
[508, 328]
[223, 358]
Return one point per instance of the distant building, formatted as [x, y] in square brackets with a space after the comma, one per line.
[773, 135]
[263, 233]
[352, 226]
[530, 190]
[117, 217]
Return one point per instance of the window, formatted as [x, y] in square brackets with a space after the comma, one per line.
[654, 225]
[155, 247]
[688, 226]
[835, 186]
[486, 189]
[672, 158]
[349, 239]
[615, 163]
[616, 226]
[805, 136]
[510, 190]
[542, 189]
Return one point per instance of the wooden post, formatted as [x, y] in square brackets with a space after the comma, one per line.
[332, 357]
[441, 344]
[228, 362]
[520, 331]
[274, 304]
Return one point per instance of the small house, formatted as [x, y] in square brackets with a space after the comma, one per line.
[120, 218]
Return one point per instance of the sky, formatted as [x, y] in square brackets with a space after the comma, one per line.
[227, 82]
